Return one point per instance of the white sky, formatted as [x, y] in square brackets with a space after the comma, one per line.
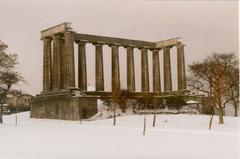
[205, 26]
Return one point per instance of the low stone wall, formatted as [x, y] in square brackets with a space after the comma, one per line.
[64, 106]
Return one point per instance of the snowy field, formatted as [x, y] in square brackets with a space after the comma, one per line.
[174, 137]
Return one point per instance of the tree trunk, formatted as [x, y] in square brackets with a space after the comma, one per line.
[236, 109]
[145, 120]
[210, 123]
[154, 118]
[16, 119]
[154, 115]
[220, 114]
[1, 114]
[80, 114]
[114, 113]
[211, 117]
[144, 124]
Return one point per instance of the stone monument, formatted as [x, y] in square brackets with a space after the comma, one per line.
[61, 99]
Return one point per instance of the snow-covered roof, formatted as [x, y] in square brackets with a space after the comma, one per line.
[192, 102]
[91, 88]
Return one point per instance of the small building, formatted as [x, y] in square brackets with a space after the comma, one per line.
[22, 102]
[193, 104]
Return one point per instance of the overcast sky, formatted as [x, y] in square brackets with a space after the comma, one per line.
[205, 27]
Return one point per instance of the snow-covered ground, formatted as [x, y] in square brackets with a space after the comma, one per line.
[174, 137]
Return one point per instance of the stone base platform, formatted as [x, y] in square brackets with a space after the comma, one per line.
[64, 105]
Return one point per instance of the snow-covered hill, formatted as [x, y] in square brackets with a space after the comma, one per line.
[175, 136]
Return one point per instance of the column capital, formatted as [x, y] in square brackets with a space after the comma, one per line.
[143, 49]
[98, 44]
[81, 42]
[167, 48]
[48, 38]
[155, 49]
[130, 46]
[129, 49]
[115, 45]
[180, 45]
[57, 36]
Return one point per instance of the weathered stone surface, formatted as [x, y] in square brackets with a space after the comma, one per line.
[144, 70]
[167, 70]
[156, 71]
[63, 106]
[62, 59]
[168, 43]
[47, 65]
[57, 56]
[69, 71]
[82, 66]
[181, 67]
[115, 69]
[87, 106]
[126, 42]
[130, 70]
[56, 30]
[99, 67]
[112, 40]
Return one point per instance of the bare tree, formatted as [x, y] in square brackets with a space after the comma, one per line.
[145, 98]
[8, 77]
[155, 110]
[212, 78]
[232, 96]
[116, 100]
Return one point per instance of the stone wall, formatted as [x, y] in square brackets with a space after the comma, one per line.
[63, 106]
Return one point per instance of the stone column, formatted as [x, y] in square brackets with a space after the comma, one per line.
[167, 70]
[144, 70]
[181, 67]
[47, 65]
[56, 62]
[115, 69]
[62, 59]
[156, 71]
[99, 67]
[69, 77]
[82, 68]
[130, 70]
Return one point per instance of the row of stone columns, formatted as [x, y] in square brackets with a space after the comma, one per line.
[59, 71]
[58, 62]
[130, 68]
